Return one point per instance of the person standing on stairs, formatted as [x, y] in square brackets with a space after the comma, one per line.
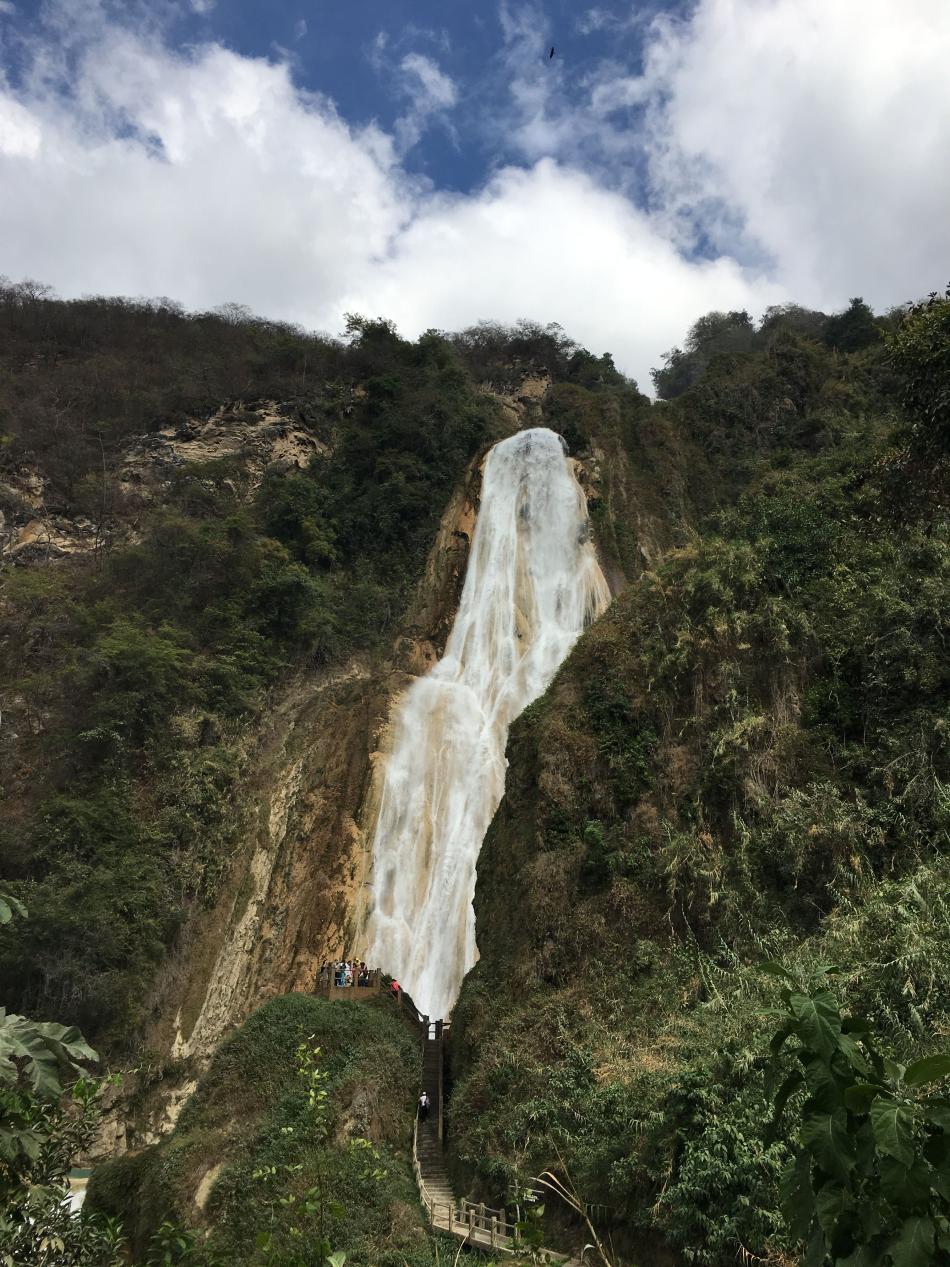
[424, 1106]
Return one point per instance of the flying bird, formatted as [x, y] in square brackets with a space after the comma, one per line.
[551, 54]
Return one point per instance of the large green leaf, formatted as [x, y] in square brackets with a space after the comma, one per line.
[798, 1198]
[859, 1096]
[778, 1038]
[825, 1135]
[905, 1187]
[855, 1056]
[930, 1069]
[819, 1021]
[914, 1244]
[830, 1201]
[893, 1126]
[824, 1092]
[787, 1089]
[10, 906]
[938, 1112]
[37, 1052]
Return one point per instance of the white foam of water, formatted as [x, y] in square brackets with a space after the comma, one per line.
[533, 584]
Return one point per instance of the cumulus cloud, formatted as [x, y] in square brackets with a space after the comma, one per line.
[807, 137]
[804, 153]
[824, 126]
[208, 176]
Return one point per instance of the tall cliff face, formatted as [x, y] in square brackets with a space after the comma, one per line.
[306, 807]
[296, 890]
[208, 667]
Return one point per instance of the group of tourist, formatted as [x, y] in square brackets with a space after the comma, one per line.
[345, 972]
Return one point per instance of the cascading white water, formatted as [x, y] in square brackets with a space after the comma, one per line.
[533, 583]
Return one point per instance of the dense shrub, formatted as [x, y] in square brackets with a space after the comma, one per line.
[340, 1172]
[746, 756]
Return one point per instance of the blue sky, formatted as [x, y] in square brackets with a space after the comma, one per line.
[352, 52]
[430, 163]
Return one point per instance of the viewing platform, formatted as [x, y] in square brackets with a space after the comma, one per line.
[328, 988]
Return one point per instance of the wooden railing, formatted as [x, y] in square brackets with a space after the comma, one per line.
[480, 1224]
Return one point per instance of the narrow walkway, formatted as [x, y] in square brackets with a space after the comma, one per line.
[476, 1225]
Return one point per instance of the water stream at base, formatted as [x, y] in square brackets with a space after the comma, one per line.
[533, 584]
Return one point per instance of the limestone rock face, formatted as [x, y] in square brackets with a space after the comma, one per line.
[259, 436]
[307, 812]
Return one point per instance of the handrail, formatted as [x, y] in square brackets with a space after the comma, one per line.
[477, 1222]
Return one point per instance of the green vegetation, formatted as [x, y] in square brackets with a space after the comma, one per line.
[293, 1149]
[128, 676]
[915, 477]
[870, 1180]
[725, 334]
[49, 1114]
[745, 758]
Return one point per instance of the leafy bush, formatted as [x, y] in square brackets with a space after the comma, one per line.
[316, 1143]
[746, 756]
[870, 1179]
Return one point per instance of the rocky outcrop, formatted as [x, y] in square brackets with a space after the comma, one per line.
[259, 435]
[255, 437]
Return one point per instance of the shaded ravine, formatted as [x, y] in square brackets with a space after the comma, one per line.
[533, 584]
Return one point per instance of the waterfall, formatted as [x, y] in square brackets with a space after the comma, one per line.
[533, 584]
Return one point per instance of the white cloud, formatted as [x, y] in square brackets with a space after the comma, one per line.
[225, 183]
[431, 94]
[7, 8]
[592, 20]
[434, 90]
[548, 244]
[300, 28]
[805, 137]
[811, 147]
[826, 125]
[20, 134]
